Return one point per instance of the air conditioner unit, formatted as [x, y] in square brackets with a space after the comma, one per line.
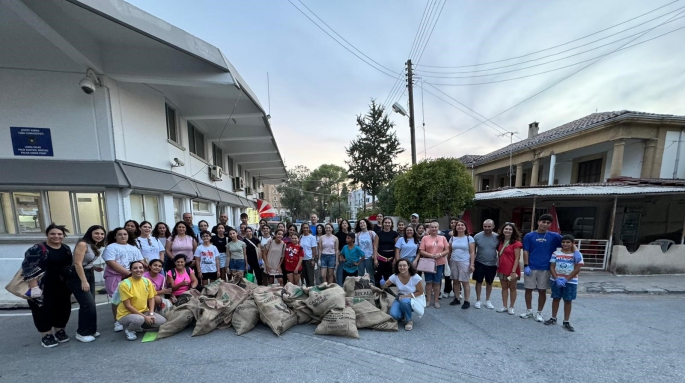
[215, 173]
[248, 190]
[238, 183]
[261, 195]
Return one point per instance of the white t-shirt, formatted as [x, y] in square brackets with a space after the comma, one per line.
[207, 257]
[307, 242]
[407, 289]
[460, 248]
[150, 250]
[121, 254]
[365, 242]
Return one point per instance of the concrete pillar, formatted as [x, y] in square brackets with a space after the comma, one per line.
[552, 164]
[648, 158]
[519, 175]
[617, 159]
[477, 182]
[534, 172]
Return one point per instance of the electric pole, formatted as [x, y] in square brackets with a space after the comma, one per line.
[511, 141]
[412, 131]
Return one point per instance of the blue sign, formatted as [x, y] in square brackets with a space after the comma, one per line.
[31, 141]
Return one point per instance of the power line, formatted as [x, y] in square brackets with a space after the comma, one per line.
[431, 32]
[419, 29]
[556, 46]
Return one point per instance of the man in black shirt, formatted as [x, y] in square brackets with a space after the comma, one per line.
[223, 219]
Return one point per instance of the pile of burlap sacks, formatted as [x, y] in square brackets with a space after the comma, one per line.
[242, 305]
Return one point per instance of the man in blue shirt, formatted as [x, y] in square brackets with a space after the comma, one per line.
[188, 218]
[538, 247]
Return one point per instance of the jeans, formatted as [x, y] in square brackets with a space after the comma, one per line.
[435, 277]
[339, 275]
[366, 267]
[401, 309]
[308, 273]
[87, 314]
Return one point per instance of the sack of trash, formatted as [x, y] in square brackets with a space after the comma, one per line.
[216, 305]
[324, 298]
[385, 298]
[245, 317]
[294, 297]
[340, 322]
[181, 314]
[358, 287]
[272, 310]
[370, 316]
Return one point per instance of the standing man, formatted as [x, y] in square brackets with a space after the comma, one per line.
[312, 228]
[223, 219]
[414, 219]
[379, 221]
[538, 247]
[484, 266]
[243, 220]
[315, 221]
[188, 218]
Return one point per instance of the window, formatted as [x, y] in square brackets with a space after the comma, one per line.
[217, 156]
[171, 131]
[200, 207]
[196, 141]
[485, 184]
[144, 208]
[254, 183]
[178, 203]
[589, 171]
[231, 170]
[240, 171]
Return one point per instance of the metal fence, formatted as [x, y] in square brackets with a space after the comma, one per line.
[595, 253]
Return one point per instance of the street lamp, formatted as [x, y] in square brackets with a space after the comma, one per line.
[397, 108]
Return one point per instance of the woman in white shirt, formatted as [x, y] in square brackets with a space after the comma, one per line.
[408, 286]
[311, 255]
[462, 248]
[407, 246]
[367, 240]
[149, 246]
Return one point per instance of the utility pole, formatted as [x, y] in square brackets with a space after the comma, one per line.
[410, 88]
[511, 141]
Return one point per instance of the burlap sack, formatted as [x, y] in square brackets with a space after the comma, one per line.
[324, 298]
[248, 286]
[370, 316]
[340, 322]
[383, 300]
[177, 319]
[245, 317]
[216, 306]
[272, 310]
[358, 287]
[294, 298]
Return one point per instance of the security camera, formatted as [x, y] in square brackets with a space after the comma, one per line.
[177, 163]
[89, 82]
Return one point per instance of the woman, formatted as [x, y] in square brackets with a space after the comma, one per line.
[133, 229]
[253, 254]
[81, 281]
[118, 255]
[408, 286]
[401, 225]
[162, 233]
[420, 230]
[292, 229]
[328, 248]
[407, 246]
[207, 259]
[367, 240]
[462, 248]
[204, 226]
[281, 226]
[181, 278]
[343, 229]
[385, 251]
[509, 270]
[219, 241]
[273, 255]
[236, 255]
[137, 307]
[320, 232]
[434, 246]
[149, 246]
[311, 249]
[156, 276]
[447, 291]
[262, 223]
[263, 242]
[43, 267]
[181, 242]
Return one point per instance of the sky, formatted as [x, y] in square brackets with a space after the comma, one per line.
[317, 87]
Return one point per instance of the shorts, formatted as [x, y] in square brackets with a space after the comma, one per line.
[538, 279]
[222, 260]
[210, 276]
[112, 283]
[328, 261]
[460, 271]
[567, 293]
[236, 265]
[434, 277]
[292, 272]
[482, 271]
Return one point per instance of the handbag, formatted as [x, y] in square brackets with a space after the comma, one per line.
[427, 265]
[18, 286]
[418, 304]
[448, 271]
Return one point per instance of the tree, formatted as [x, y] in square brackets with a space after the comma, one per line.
[294, 195]
[445, 187]
[386, 198]
[373, 153]
[326, 182]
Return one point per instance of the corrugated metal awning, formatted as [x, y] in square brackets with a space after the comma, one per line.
[579, 191]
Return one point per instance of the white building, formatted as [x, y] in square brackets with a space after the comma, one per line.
[357, 199]
[170, 126]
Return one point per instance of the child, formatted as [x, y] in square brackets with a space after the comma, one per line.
[352, 255]
[564, 266]
[294, 253]
[208, 259]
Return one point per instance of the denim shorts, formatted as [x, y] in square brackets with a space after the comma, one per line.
[434, 277]
[222, 260]
[236, 265]
[567, 293]
[328, 261]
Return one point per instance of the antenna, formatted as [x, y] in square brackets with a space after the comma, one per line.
[511, 142]
[268, 92]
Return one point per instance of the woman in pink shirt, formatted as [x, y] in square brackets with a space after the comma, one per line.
[156, 276]
[180, 278]
[180, 243]
[434, 246]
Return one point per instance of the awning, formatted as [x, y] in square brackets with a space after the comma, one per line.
[578, 191]
[55, 173]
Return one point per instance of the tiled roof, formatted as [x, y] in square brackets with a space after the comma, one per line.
[575, 190]
[469, 158]
[588, 122]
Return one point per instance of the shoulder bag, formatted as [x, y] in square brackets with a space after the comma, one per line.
[418, 304]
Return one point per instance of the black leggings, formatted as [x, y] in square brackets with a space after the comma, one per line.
[384, 270]
[254, 267]
[56, 305]
[448, 285]
[87, 314]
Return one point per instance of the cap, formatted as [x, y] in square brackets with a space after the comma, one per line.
[415, 215]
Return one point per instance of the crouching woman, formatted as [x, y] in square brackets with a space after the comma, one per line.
[408, 285]
[137, 307]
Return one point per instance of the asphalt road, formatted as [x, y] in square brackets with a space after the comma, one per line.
[618, 338]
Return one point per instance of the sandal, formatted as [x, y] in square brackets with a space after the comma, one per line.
[409, 326]
[437, 305]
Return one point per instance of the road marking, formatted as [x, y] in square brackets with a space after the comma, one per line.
[27, 314]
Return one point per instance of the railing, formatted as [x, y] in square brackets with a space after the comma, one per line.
[595, 253]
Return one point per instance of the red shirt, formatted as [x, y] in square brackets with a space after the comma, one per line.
[506, 260]
[293, 254]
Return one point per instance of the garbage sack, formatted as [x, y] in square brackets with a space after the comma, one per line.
[177, 319]
[165, 307]
[248, 286]
[324, 298]
[340, 322]
[272, 310]
[245, 317]
[383, 300]
[294, 298]
[216, 306]
[358, 287]
[370, 316]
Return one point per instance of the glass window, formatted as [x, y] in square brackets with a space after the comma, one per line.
[217, 156]
[60, 209]
[590, 171]
[178, 202]
[90, 210]
[137, 212]
[200, 207]
[6, 215]
[171, 131]
[231, 171]
[240, 171]
[144, 208]
[196, 141]
[28, 209]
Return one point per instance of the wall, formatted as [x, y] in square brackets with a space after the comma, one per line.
[648, 259]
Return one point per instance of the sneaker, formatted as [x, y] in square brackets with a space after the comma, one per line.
[130, 335]
[118, 327]
[461, 296]
[502, 310]
[454, 302]
[451, 293]
[568, 327]
[85, 338]
[511, 311]
[477, 304]
[437, 305]
[61, 336]
[97, 334]
[527, 314]
[551, 321]
[538, 317]
[49, 341]
[443, 295]
[466, 305]
[489, 305]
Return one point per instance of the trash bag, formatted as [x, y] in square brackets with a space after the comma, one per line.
[177, 319]
[358, 287]
[384, 299]
[216, 306]
[245, 317]
[339, 322]
[272, 310]
[324, 298]
[370, 316]
[294, 297]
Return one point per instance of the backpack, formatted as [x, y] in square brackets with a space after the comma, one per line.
[116, 297]
[173, 273]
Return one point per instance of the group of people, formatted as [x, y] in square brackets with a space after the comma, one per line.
[147, 264]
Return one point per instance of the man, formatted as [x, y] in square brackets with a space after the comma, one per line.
[223, 219]
[312, 227]
[188, 218]
[414, 219]
[379, 221]
[315, 221]
[484, 266]
[243, 219]
[538, 247]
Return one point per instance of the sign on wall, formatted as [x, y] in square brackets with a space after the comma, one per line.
[31, 141]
